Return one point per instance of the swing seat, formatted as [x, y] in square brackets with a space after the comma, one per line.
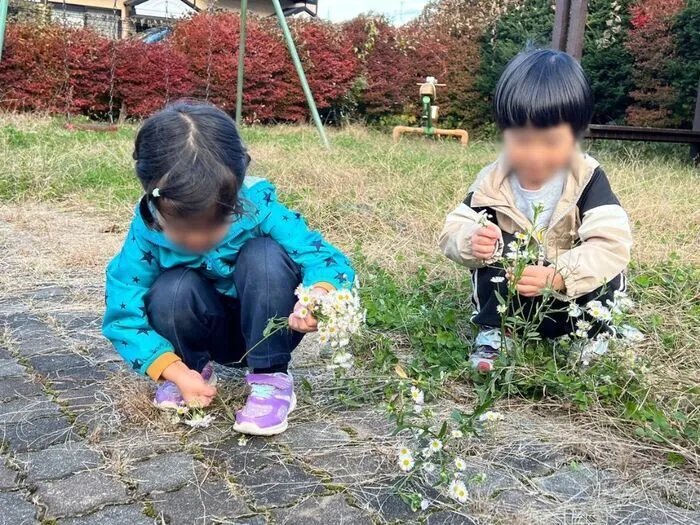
[461, 134]
[102, 128]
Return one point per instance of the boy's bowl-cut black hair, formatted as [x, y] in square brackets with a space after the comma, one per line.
[193, 154]
[543, 88]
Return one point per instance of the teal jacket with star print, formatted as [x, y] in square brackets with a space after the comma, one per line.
[147, 253]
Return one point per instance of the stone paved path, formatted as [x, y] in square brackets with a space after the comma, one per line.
[82, 446]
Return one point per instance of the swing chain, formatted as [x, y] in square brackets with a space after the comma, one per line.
[167, 62]
[210, 52]
[66, 66]
[113, 64]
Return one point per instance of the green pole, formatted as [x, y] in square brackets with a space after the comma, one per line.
[300, 71]
[3, 21]
[241, 61]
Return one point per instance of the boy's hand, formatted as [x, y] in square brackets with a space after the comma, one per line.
[306, 324]
[195, 391]
[484, 241]
[536, 278]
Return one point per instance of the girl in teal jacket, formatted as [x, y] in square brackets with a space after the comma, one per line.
[210, 257]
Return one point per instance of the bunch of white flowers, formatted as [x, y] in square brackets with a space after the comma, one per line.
[340, 316]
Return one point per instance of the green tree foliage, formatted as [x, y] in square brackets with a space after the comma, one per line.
[685, 67]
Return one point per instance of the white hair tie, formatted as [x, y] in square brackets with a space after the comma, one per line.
[155, 193]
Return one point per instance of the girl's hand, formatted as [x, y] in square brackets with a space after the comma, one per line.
[484, 241]
[195, 391]
[302, 324]
[536, 278]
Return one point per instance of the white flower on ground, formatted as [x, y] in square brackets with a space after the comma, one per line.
[497, 279]
[458, 491]
[582, 328]
[574, 310]
[406, 463]
[242, 441]
[520, 236]
[342, 359]
[501, 308]
[457, 434]
[424, 504]
[598, 311]
[405, 452]
[460, 464]
[429, 467]
[417, 395]
[435, 445]
[490, 417]
[199, 421]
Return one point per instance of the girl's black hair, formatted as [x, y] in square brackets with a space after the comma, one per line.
[543, 88]
[194, 156]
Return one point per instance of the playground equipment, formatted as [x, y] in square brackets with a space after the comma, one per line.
[429, 116]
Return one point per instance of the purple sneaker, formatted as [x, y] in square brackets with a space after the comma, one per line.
[168, 396]
[270, 401]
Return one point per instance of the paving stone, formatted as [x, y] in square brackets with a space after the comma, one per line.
[37, 434]
[211, 502]
[20, 386]
[48, 293]
[482, 480]
[321, 511]
[366, 423]
[59, 461]
[10, 368]
[80, 494]
[76, 378]
[51, 364]
[7, 477]
[163, 473]
[576, 483]
[445, 517]
[350, 464]
[278, 485]
[529, 459]
[138, 444]
[78, 321]
[312, 436]
[16, 510]
[651, 513]
[117, 515]
[514, 500]
[5, 354]
[381, 497]
[255, 454]
[30, 335]
[84, 397]
[26, 409]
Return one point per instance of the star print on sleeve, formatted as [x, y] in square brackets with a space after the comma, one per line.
[148, 256]
[136, 364]
[122, 306]
[341, 277]
[318, 244]
[135, 280]
[268, 197]
[143, 331]
[330, 261]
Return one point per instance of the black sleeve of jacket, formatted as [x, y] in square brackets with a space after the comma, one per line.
[597, 192]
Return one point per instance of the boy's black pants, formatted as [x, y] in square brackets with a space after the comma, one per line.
[555, 324]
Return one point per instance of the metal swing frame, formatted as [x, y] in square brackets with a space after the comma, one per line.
[295, 58]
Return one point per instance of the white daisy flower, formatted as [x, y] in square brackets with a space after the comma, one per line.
[574, 310]
[460, 464]
[490, 417]
[435, 445]
[406, 463]
[405, 452]
[417, 395]
[457, 434]
[458, 491]
[501, 308]
[497, 279]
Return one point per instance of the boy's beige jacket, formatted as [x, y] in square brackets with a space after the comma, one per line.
[588, 238]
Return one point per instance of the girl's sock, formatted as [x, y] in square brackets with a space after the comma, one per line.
[271, 370]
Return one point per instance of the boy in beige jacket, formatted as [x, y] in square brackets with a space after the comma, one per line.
[543, 104]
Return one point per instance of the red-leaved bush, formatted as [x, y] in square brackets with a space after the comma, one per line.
[651, 43]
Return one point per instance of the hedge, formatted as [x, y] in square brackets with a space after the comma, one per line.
[364, 69]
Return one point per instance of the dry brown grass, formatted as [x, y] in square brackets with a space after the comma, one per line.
[387, 199]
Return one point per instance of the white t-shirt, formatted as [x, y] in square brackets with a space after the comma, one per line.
[549, 195]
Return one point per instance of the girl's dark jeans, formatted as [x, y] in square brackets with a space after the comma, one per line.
[202, 324]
